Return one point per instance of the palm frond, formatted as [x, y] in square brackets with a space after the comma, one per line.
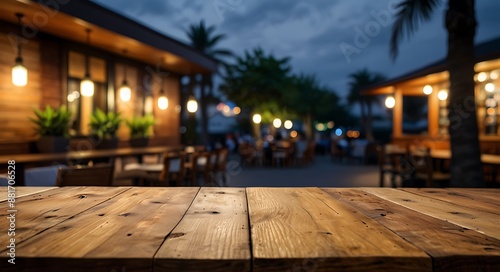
[410, 14]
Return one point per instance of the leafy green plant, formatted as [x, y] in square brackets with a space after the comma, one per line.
[52, 122]
[140, 127]
[104, 125]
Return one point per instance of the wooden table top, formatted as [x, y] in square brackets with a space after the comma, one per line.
[87, 154]
[446, 154]
[252, 229]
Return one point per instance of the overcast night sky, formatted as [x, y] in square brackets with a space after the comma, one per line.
[310, 32]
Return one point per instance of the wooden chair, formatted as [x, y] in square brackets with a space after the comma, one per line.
[220, 178]
[423, 168]
[171, 169]
[281, 153]
[387, 165]
[98, 175]
[203, 164]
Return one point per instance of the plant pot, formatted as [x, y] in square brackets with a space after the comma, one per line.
[107, 143]
[52, 144]
[139, 142]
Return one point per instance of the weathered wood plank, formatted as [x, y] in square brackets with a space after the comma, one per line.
[483, 222]
[120, 234]
[212, 236]
[452, 247]
[471, 200]
[38, 212]
[295, 229]
[488, 193]
[21, 191]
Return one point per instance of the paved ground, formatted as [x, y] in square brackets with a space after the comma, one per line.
[322, 173]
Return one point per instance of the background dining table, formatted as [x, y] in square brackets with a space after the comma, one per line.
[250, 229]
[77, 156]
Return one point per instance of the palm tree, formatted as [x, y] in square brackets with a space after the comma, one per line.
[204, 39]
[360, 80]
[460, 21]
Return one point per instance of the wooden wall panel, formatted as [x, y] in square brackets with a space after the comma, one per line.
[127, 109]
[18, 103]
[168, 121]
[51, 63]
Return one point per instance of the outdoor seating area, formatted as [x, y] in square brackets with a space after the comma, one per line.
[422, 166]
[178, 166]
[281, 154]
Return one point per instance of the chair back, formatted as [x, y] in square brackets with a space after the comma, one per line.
[421, 162]
[222, 159]
[97, 175]
[173, 164]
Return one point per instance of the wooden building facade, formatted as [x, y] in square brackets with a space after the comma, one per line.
[420, 112]
[55, 46]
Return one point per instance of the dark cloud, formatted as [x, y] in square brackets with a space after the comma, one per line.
[311, 32]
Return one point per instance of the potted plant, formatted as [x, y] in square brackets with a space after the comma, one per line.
[103, 128]
[53, 126]
[140, 130]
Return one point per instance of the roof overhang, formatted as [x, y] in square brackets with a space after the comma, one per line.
[487, 57]
[111, 32]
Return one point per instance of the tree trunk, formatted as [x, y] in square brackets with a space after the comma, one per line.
[466, 167]
[363, 114]
[369, 131]
[308, 125]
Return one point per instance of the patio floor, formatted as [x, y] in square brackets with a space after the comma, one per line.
[322, 173]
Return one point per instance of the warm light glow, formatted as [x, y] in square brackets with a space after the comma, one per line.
[87, 87]
[489, 87]
[293, 134]
[192, 105]
[288, 124]
[443, 95]
[320, 127]
[237, 110]
[257, 118]
[148, 105]
[277, 123]
[390, 102]
[226, 109]
[330, 124]
[19, 74]
[494, 74]
[427, 89]
[490, 102]
[162, 102]
[125, 92]
[482, 77]
[490, 111]
[220, 106]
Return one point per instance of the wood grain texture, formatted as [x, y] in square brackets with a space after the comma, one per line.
[23, 191]
[302, 228]
[122, 233]
[212, 236]
[483, 222]
[493, 194]
[442, 240]
[470, 200]
[41, 211]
